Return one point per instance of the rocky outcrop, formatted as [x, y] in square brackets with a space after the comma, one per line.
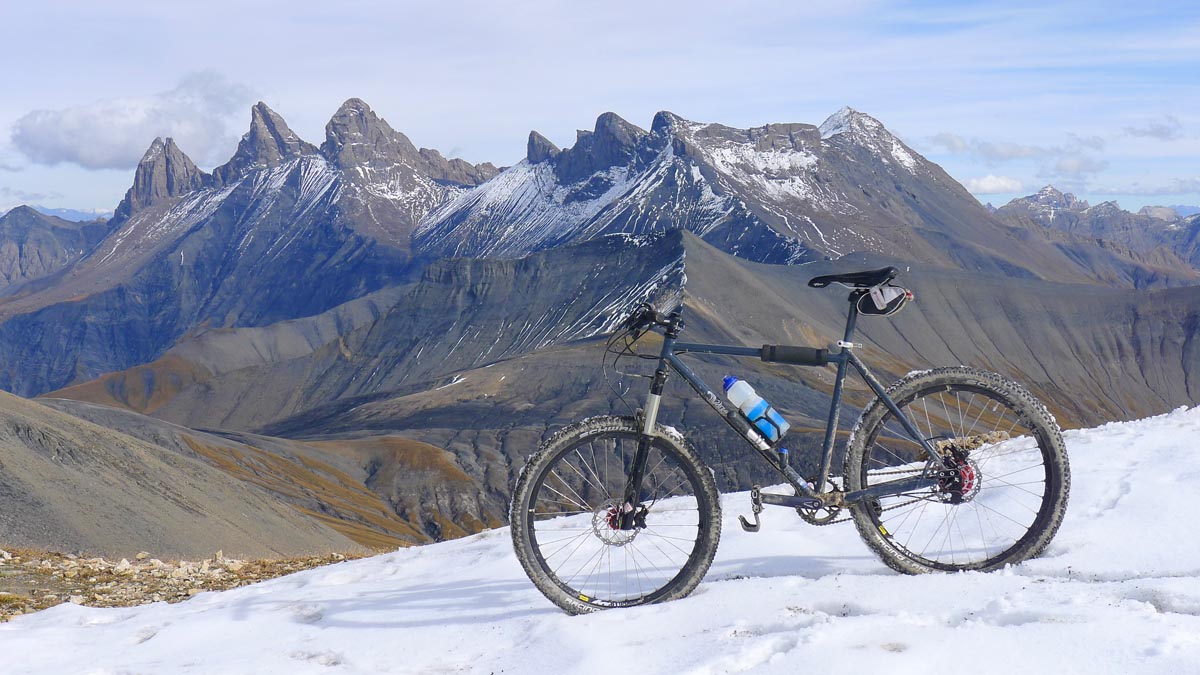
[33, 580]
[539, 148]
[357, 137]
[281, 231]
[34, 246]
[1156, 237]
[779, 193]
[163, 174]
[269, 143]
[613, 143]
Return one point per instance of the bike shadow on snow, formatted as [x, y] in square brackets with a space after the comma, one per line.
[805, 566]
[469, 601]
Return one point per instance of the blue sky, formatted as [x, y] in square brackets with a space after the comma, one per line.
[1099, 98]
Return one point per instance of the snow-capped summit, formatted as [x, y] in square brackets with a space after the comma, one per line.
[849, 120]
[775, 193]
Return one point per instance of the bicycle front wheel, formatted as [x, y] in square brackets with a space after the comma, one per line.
[566, 512]
[1004, 477]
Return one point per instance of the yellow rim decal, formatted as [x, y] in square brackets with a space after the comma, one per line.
[884, 531]
[584, 598]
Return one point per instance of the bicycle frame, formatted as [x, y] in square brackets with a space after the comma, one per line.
[669, 358]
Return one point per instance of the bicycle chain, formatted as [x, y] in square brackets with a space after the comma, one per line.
[843, 519]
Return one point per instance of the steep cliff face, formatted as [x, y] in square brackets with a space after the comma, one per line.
[280, 231]
[34, 246]
[460, 314]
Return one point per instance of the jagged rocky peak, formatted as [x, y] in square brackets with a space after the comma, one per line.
[1050, 196]
[164, 173]
[614, 142]
[539, 148]
[357, 137]
[269, 142]
[666, 122]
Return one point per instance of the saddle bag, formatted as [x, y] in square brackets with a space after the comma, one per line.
[884, 300]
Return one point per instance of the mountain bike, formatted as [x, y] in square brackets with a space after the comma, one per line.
[947, 469]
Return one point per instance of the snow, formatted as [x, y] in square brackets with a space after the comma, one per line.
[1118, 591]
[869, 133]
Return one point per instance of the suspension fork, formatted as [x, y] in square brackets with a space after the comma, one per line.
[633, 488]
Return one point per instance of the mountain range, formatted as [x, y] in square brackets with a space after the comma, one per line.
[390, 332]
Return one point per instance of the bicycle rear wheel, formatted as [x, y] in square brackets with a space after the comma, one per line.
[566, 509]
[1005, 477]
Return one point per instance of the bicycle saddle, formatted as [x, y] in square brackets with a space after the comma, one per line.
[865, 279]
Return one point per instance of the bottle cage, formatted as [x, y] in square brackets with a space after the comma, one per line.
[884, 300]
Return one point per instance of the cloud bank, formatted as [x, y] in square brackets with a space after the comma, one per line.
[993, 185]
[114, 133]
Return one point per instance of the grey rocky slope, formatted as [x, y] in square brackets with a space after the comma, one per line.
[379, 494]
[1091, 353]
[287, 229]
[1162, 243]
[284, 229]
[460, 314]
[777, 193]
[71, 485]
[34, 245]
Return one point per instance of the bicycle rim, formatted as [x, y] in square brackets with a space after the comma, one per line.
[573, 514]
[993, 503]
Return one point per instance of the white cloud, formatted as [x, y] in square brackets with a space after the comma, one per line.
[951, 142]
[992, 185]
[1168, 128]
[114, 133]
[1175, 186]
[1078, 165]
[10, 198]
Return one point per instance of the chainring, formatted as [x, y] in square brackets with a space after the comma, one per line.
[824, 515]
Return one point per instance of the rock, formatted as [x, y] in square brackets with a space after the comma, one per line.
[75, 599]
[193, 592]
[5, 554]
[142, 556]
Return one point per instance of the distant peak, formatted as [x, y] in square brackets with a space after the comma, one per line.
[354, 104]
[269, 142]
[849, 120]
[665, 121]
[613, 126]
[354, 116]
[615, 142]
[165, 172]
[539, 148]
[356, 136]
[1053, 197]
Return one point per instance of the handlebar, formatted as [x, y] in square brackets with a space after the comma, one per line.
[645, 316]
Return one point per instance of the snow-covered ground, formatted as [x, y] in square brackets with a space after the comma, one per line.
[1118, 591]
